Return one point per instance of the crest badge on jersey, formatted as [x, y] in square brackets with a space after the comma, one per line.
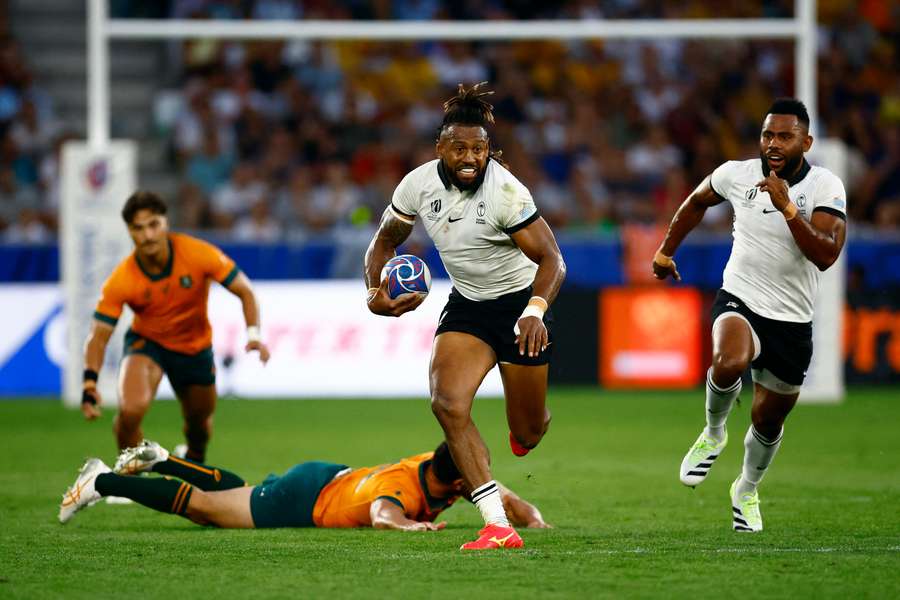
[749, 196]
[435, 209]
[185, 281]
[479, 211]
[801, 203]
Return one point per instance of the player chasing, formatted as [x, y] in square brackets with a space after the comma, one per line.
[406, 495]
[165, 281]
[506, 270]
[789, 224]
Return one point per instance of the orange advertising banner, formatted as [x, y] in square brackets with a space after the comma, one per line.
[650, 337]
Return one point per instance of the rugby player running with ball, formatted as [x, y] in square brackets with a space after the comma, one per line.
[506, 270]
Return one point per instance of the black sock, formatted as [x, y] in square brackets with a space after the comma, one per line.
[208, 479]
[162, 494]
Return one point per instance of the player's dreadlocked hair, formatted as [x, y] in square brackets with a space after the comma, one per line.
[470, 107]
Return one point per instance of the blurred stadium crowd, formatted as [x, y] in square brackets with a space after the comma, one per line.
[292, 139]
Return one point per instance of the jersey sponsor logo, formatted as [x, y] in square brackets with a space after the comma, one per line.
[767, 211]
[749, 196]
[800, 201]
[452, 220]
[185, 281]
[480, 210]
[839, 203]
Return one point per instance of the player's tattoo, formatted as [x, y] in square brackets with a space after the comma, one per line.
[392, 230]
[391, 233]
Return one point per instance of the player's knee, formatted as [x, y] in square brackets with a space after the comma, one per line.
[450, 412]
[726, 369]
[129, 418]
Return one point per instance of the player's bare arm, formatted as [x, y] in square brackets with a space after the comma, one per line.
[391, 233]
[520, 512]
[241, 288]
[821, 238]
[686, 218]
[539, 245]
[387, 515]
[94, 351]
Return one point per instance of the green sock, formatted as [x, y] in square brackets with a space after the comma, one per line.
[208, 479]
[162, 494]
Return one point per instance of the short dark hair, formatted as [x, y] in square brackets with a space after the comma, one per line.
[790, 106]
[443, 466]
[143, 200]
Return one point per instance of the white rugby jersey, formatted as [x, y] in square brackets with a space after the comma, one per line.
[471, 229]
[766, 269]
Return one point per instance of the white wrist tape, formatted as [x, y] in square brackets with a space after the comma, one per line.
[253, 333]
[531, 310]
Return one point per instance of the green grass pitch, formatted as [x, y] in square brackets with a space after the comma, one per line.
[605, 476]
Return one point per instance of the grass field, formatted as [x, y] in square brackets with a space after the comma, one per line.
[605, 476]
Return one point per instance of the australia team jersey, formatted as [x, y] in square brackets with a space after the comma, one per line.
[170, 306]
[471, 229]
[345, 501]
[767, 270]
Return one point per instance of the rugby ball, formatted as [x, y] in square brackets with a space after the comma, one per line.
[406, 274]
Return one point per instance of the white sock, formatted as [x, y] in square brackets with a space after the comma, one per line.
[487, 498]
[718, 404]
[758, 455]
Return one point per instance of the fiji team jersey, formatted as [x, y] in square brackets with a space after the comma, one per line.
[471, 229]
[169, 307]
[345, 501]
[767, 270]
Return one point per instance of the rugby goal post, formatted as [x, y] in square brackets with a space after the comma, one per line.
[102, 30]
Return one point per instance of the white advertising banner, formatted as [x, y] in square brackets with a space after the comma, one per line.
[93, 239]
[326, 343]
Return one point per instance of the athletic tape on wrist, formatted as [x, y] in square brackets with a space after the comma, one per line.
[662, 260]
[539, 302]
[253, 334]
[790, 211]
[533, 310]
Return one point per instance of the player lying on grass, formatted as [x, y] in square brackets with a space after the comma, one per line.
[407, 495]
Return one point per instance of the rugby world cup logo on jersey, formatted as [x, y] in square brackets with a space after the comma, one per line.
[435, 209]
[749, 196]
[479, 212]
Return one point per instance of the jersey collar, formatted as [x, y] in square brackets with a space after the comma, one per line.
[448, 181]
[167, 270]
[797, 178]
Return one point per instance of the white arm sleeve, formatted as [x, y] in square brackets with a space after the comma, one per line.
[405, 202]
[517, 210]
[722, 178]
[831, 194]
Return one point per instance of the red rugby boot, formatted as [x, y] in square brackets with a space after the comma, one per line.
[517, 448]
[494, 537]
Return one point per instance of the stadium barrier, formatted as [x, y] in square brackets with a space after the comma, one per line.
[326, 344]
